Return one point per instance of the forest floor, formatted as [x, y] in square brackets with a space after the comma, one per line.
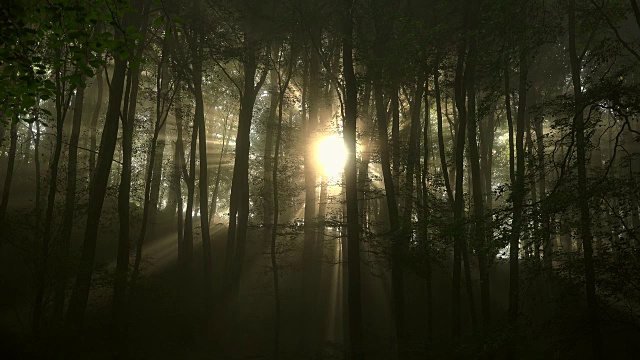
[161, 329]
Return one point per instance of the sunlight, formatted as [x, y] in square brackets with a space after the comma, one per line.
[331, 155]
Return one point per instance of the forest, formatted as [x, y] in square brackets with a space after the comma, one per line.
[320, 179]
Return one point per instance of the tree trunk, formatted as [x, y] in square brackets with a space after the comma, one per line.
[69, 207]
[239, 198]
[476, 176]
[458, 212]
[274, 235]
[13, 143]
[310, 176]
[385, 160]
[42, 259]
[97, 194]
[441, 146]
[267, 191]
[518, 193]
[583, 195]
[533, 190]
[154, 167]
[425, 213]
[545, 220]
[276, 210]
[214, 197]
[365, 151]
[353, 238]
[124, 193]
[190, 179]
[94, 123]
[487, 136]
[401, 243]
[178, 165]
[203, 178]
[154, 197]
[395, 134]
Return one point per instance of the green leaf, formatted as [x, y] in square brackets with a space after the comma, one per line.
[131, 29]
[159, 21]
[124, 55]
[28, 102]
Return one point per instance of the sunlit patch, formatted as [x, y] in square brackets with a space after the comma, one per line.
[331, 155]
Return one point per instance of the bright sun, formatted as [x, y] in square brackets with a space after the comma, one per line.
[331, 155]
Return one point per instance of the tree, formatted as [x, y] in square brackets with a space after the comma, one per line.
[583, 191]
[353, 237]
[78, 301]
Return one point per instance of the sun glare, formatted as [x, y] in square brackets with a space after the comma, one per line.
[331, 155]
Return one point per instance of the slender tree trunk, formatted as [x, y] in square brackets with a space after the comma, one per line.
[26, 154]
[3, 129]
[36, 159]
[42, 262]
[97, 193]
[507, 100]
[274, 236]
[124, 194]
[583, 195]
[395, 134]
[168, 97]
[518, 195]
[387, 154]
[487, 135]
[476, 175]
[310, 178]
[190, 178]
[178, 165]
[533, 190]
[401, 243]
[545, 220]
[441, 146]
[6, 191]
[385, 160]
[154, 167]
[365, 151]
[267, 192]
[353, 238]
[425, 212]
[67, 221]
[203, 178]
[276, 209]
[154, 197]
[214, 197]
[459, 195]
[94, 123]
[239, 198]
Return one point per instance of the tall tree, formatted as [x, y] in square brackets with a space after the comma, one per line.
[458, 210]
[165, 93]
[353, 228]
[8, 179]
[197, 54]
[239, 198]
[93, 133]
[518, 192]
[70, 202]
[64, 90]
[575, 60]
[100, 179]
[124, 190]
[474, 159]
